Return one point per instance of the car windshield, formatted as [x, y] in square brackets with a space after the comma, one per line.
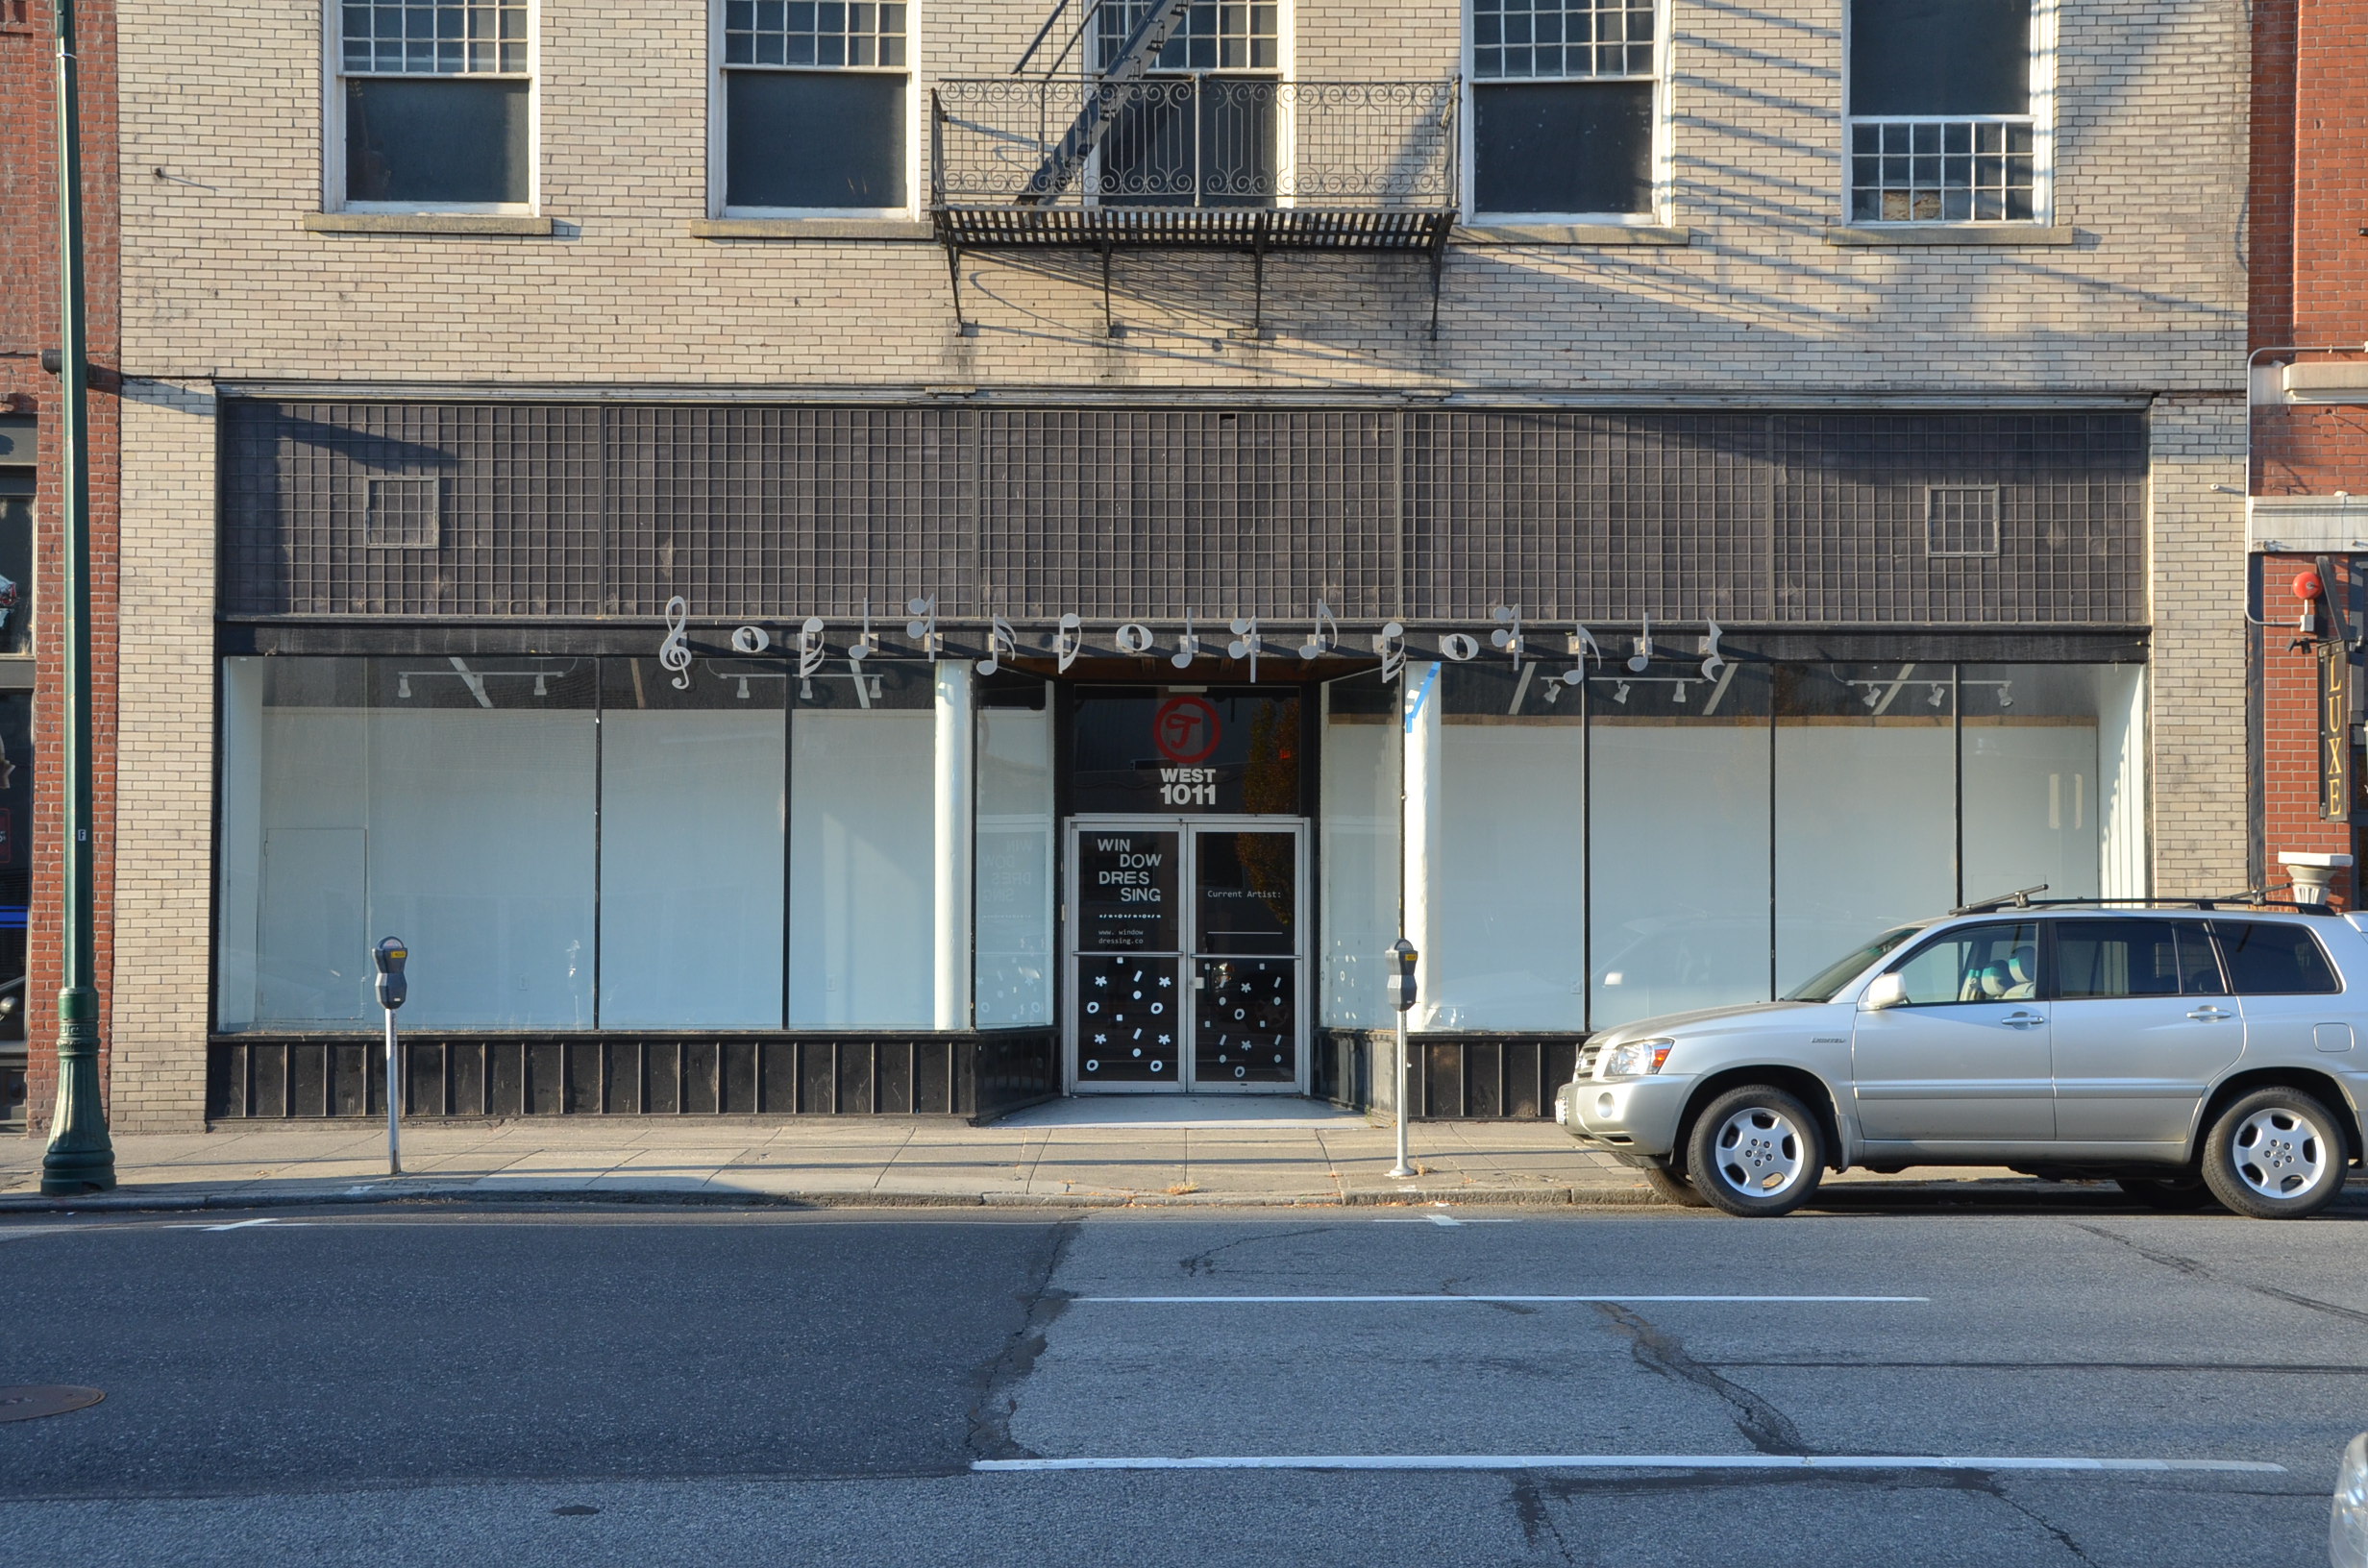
[1848, 967]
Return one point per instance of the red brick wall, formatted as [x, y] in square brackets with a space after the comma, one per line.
[28, 325]
[2290, 722]
[2307, 253]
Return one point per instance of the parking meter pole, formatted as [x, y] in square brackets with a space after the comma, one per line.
[1401, 1169]
[394, 1102]
[1402, 997]
[388, 956]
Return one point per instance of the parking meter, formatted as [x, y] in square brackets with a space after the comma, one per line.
[1402, 978]
[1402, 997]
[389, 955]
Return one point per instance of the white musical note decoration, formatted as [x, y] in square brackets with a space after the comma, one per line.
[1187, 647]
[1319, 642]
[1641, 659]
[1390, 642]
[1002, 642]
[923, 627]
[1507, 633]
[674, 652]
[1246, 643]
[1069, 642]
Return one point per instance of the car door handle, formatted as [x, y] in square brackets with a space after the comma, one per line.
[2211, 1015]
[2022, 1021]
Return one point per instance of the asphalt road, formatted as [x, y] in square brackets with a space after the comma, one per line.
[592, 1388]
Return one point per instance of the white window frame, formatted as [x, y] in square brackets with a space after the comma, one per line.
[332, 119]
[1661, 160]
[2042, 120]
[719, 123]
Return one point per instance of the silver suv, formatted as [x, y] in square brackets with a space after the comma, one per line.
[2192, 1053]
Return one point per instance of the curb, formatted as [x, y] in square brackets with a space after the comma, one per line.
[1556, 1197]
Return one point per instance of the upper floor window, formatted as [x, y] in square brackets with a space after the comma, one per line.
[1562, 100]
[1943, 121]
[1200, 128]
[435, 99]
[816, 107]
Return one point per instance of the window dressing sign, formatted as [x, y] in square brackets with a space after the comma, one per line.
[1126, 885]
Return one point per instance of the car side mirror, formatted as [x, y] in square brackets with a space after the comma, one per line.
[1884, 991]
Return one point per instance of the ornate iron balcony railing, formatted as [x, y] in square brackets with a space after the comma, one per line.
[1210, 144]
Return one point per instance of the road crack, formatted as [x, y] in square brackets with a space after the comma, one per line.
[1761, 1424]
[1990, 1486]
[999, 1381]
[2197, 1269]
[1203, 1262]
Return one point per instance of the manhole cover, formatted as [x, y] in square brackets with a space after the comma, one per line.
[23, 1402]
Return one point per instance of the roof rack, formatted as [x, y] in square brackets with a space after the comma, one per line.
[2250, 898]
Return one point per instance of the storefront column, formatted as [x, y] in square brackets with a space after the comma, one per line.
[953, 844]
[1421, 702]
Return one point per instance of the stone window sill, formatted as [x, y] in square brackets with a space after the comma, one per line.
[1950, 233]
[427, 223]
[1572, 233]
[897, 229]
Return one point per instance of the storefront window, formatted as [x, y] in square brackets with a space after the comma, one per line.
[862, 849]
[2051, 779]
[448, 801]
[1678, 817]
[1359, 850]
[1507, 878]
[16, 560]
[1013, 982]
[691, 830]
[1865, 805]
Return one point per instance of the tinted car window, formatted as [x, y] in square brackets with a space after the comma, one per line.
[1974, 964]
[2135, 958]
[2267, 959]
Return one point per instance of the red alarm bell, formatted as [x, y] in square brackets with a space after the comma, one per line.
[2309, 589]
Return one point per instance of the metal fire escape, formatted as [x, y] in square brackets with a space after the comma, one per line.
[1119, 154]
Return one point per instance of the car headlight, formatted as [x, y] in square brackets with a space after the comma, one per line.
[2348, 1529]
[1634, 1059]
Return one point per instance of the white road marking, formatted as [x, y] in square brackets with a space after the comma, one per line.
[1462, 1301]
[1437, 1219]
[241, 1224]
[1631, 1461]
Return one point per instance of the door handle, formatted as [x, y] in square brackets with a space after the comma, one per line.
[2022, 1021]
[2211, 1015]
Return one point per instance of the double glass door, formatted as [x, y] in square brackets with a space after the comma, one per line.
[1186, 940]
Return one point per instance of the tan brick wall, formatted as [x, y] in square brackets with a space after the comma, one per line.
[220, 280]
[164, 749]
[2197, 577]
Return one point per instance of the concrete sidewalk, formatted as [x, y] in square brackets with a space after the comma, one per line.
[1130, 1151]
[1165, 1150]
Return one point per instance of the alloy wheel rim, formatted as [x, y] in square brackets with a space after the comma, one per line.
[2280, 1153]
[1758, 1152]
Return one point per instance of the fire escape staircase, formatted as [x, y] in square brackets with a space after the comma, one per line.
[1116, 156]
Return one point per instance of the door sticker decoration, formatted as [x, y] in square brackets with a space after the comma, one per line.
[1126, 1021]
[1247, 1023]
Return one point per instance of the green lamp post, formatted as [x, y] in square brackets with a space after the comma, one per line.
[80, 1159]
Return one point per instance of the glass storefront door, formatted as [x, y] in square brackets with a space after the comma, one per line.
[1186, 943]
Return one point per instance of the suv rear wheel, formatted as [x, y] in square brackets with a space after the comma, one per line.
[2276, 1154]
[1756, 1152]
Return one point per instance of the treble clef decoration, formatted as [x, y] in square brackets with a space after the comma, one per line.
[674, 652]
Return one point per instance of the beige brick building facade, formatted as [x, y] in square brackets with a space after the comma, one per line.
[1747, 291]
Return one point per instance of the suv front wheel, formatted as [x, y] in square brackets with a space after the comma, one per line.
[1756, 1152]
[2276, 1154]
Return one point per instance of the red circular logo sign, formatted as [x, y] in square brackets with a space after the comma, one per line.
[1185, 729]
